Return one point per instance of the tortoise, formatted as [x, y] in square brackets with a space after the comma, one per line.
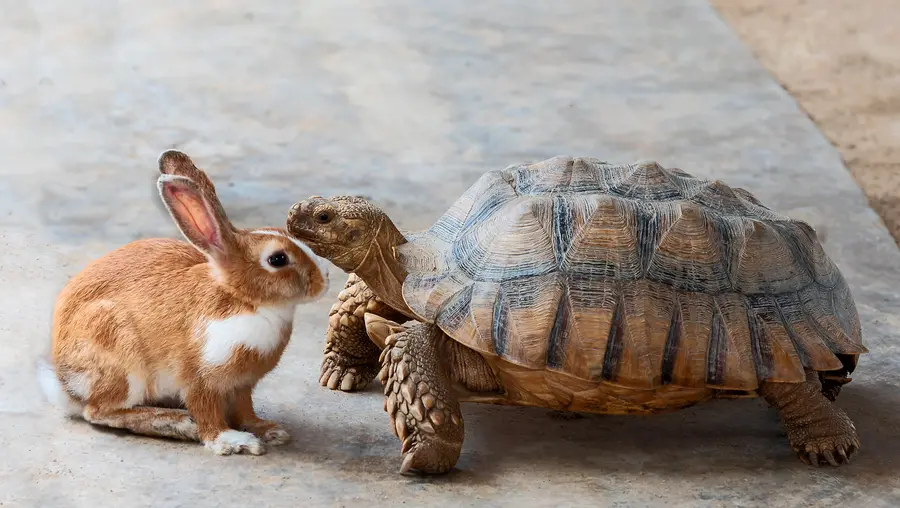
[583, 286]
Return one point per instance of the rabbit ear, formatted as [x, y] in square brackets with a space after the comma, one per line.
[177, 163]
[195, 216]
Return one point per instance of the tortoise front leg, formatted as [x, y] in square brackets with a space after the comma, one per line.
[818, 430]
[351, 358]
[420, 398]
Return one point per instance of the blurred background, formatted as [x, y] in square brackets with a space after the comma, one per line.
[840, 60]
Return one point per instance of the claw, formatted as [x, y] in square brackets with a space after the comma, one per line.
[830, 457]
[348, 382]
[333, 380]
[326, 373]
[407, 463]
[407, 444]
[814, 459]
[842, 453]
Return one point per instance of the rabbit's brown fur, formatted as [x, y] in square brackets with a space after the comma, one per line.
[194, 327]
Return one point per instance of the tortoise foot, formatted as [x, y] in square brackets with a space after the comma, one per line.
[429, 457]
[338, 373]
[827, 442]
[820, 432]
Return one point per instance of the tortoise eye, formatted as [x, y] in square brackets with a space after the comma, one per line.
[323, 217]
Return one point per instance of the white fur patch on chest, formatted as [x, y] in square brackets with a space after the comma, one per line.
[260, 332]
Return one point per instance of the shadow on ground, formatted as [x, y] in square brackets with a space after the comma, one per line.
[721, 435]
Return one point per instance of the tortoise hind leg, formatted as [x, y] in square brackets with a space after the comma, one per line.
[420, 398]
[820, 432]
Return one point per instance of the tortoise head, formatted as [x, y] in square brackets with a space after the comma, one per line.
[340, 229]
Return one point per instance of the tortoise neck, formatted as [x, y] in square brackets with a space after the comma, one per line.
[380, 268]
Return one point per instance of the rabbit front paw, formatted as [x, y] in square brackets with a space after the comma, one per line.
[270, 432]
[276, 436]
[235, 441]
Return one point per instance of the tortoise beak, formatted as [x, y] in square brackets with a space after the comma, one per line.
[295, 221]
[299, 232]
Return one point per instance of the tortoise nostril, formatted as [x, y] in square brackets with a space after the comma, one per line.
[295, 208]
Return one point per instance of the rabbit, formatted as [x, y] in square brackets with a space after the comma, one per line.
[166, 338]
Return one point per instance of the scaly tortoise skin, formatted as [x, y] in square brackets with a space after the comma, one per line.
[577, 285]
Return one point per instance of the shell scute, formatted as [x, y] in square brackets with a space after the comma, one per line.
[591, 305]
[690, 256]
[639, 337]
[633, 275]
[524, 314]
[513, 243]
[605, 245]
[487, 195]
[731, 365]
[648, 181]
[563, 175]
[767, 265]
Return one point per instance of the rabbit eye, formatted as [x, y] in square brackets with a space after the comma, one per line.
[278, 259]
[323, 217]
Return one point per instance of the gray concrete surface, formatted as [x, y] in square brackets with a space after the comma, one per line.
[408, 104]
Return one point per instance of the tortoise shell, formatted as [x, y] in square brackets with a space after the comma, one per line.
[634, 275]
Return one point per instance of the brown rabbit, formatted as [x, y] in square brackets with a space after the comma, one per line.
[161, 321]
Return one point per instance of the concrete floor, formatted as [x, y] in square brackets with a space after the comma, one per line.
[838, 59]
[407, 104]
